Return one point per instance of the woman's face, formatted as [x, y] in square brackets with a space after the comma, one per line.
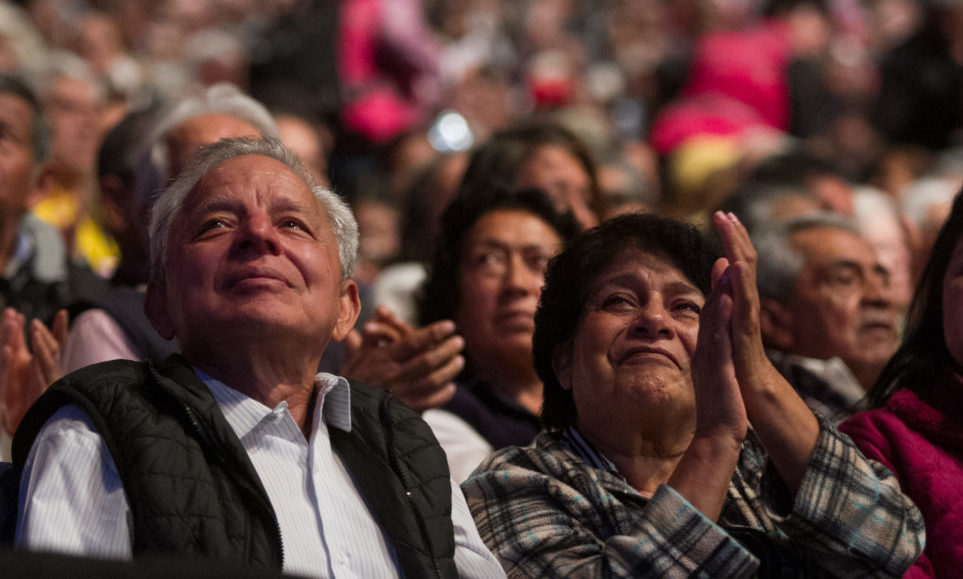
[953, 304]
[633, 347]
[500, 278]
[561, 175]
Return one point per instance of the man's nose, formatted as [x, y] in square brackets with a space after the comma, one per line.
[258, 234]
[877, 289]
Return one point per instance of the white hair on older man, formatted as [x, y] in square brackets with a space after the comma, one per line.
[171, 201]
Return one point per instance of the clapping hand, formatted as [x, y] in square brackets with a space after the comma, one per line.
[26, 372]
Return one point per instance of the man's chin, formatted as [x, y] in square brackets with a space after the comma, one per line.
[872, 356]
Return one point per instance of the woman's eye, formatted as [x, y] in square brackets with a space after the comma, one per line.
[616, 302]
[489, 259]
[292, 224]
[689, 307]
[539, 262]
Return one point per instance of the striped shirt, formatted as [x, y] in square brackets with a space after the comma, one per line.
[72, 499]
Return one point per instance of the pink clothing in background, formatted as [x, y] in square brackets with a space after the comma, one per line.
[737, 82]
[389, 65]
[920, 438]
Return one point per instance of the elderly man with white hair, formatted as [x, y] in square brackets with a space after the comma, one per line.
[237, 449]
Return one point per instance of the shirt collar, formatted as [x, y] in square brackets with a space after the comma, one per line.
[244, 413]
[572, 440]
[834, 372]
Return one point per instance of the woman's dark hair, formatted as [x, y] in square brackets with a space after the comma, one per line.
[572, 275]
[441, 293]
[498, 162]
[922, 358]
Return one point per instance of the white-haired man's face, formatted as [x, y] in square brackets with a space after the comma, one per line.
[842, 304]
[252, 255]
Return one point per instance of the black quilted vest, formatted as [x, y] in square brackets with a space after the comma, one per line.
[192, 489]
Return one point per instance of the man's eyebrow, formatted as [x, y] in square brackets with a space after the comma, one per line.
[285, 203]
[845, 264]
[212, 205]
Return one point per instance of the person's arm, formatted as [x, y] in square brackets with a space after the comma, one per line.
[848, 512]
[545, 517]
[71, 498]
[782, 421]
[472, 557]
[873, 435]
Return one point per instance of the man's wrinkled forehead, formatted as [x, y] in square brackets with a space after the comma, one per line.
[210, 194]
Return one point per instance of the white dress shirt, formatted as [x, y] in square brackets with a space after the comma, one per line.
[463, 446]
[72, 500]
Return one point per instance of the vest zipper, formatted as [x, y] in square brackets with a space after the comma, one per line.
[219, 454]
[407, 486]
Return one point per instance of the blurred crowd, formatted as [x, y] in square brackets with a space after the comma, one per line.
[474, 140]
[677, 103]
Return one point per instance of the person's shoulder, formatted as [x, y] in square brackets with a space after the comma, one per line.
[544, 455]
[372, 405]
[371, 398]
[108, 371]
[535, 472]
[103, 383]
[100, 381]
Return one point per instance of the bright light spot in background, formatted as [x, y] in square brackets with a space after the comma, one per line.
[450, 133]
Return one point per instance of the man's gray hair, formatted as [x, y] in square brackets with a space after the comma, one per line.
[154, 169]
[60, 64]
[779, 263]
[171, 201]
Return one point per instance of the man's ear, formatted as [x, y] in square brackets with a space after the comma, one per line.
[348, 312]
[155, 306]
[562, 364]
[775, 321]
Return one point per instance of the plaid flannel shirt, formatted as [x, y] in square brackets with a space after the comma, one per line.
[559, 509]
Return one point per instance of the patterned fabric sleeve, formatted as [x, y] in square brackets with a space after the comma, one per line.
[546, 514]
[851, 511]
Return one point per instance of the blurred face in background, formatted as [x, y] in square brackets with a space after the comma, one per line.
[501, 276]
[186, 138]
[563, 177]
[73, 107]
[17, 162]
[843, 301]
